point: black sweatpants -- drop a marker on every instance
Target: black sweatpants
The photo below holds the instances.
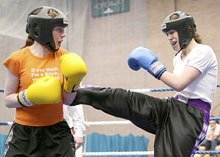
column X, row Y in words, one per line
column 46, row 141
column 175, row 124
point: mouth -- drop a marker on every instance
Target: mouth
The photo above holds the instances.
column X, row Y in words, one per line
column 174, row 44
column 59, row 43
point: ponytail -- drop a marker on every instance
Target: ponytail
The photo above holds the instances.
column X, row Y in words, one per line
column 197, row 38
column 29, row 42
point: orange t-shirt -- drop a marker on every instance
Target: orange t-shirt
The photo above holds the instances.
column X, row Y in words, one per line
column 29, row 68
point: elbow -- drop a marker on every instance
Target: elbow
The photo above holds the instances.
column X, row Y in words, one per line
column 8, row 105
column 178, row 85
column 179, row 88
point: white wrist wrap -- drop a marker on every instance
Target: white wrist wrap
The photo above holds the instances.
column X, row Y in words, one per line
column 23, row 99
column 156, row 66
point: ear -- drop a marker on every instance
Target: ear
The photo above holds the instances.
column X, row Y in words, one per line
column 36, row 30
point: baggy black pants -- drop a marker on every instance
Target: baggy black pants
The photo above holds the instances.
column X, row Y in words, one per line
column 175, row 124
column 43, row 141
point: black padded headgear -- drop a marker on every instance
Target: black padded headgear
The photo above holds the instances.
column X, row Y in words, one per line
column 39, row 26
column 184, row 25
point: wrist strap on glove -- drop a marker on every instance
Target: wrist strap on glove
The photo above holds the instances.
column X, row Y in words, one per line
column 157, row 69
column 22, row 99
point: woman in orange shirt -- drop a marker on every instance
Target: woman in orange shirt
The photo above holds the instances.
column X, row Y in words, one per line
column 39, row 128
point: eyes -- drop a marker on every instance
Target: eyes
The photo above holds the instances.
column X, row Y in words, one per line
column 171, row 32
column 59, row 30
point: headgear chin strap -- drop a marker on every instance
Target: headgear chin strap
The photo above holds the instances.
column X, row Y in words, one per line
column 183, row 24
column 40, row 25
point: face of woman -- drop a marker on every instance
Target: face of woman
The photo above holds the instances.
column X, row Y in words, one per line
column 58, row 36
column 212, row 124
column 173, row 38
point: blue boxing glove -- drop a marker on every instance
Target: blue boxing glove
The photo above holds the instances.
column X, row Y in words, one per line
column 144, row 58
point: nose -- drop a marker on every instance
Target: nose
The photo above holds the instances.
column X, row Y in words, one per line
column 170, row 36
column 63, row 34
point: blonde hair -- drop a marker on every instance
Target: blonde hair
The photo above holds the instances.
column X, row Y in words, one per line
column 197, row 38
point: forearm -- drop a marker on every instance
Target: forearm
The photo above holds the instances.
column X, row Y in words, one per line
column 173, row 81
column 180, row 82
column 208, row 138
column 11, row 88
column 11, row 101
column 214, row 137
column 146, row 59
